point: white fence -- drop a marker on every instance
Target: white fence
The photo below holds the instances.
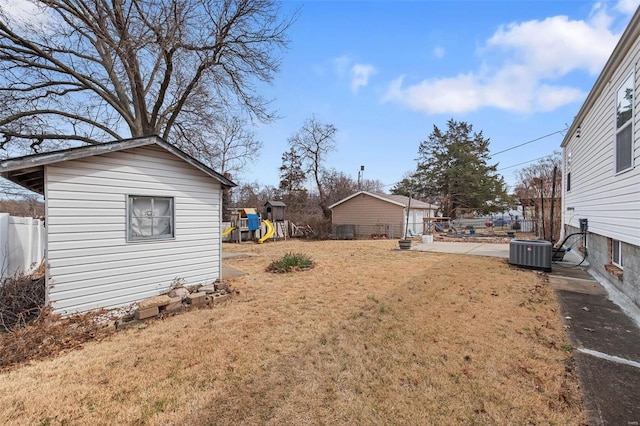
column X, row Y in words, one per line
column 22, row 241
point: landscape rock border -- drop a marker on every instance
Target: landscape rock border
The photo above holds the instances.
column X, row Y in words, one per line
column 178, row 299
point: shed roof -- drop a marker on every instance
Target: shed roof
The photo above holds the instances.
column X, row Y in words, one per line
column 275, row 203
column 399, row 200
column 28, row 171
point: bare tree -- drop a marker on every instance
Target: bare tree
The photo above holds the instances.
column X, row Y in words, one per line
column 227, row 145
column 535, row 191
column 313, row 142
column 19, row 201
column 96, row 70
column 373, row 185
column 253, row 195
column 337, row 185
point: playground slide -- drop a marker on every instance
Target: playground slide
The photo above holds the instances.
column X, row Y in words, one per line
column 270, row 231
column 228, row 231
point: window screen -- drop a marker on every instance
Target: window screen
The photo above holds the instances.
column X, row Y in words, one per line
column 624, row 151
column 150, row 218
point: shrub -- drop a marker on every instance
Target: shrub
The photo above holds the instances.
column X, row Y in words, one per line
column 22, row 299
column 290, row 262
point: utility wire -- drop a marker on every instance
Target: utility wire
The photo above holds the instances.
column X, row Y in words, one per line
column 498, row 170
column 528, row 142
column 530, row 161
column 512, row 148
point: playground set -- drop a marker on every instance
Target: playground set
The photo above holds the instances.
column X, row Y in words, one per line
column 247, row 225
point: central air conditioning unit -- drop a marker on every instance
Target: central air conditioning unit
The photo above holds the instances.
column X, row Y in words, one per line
column 532, row 254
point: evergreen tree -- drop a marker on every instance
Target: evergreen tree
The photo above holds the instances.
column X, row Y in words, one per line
column 292, row 179
column 407, row 186
column 452, row 167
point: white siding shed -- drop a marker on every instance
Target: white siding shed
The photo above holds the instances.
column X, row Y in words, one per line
column 92, row 261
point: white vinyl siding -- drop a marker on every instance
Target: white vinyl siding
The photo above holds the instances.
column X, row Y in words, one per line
column 91, row 263
column 609, row 200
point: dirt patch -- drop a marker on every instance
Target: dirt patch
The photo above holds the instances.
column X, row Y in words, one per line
column 370, row 335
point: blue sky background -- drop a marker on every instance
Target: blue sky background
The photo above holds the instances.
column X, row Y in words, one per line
column 385, row 72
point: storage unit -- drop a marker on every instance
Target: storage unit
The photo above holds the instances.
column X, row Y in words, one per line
column 124, row 220
column 532, row 254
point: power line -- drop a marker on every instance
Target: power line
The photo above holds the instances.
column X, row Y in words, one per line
column 530, row 161
column 512, row 148
column 528, row 142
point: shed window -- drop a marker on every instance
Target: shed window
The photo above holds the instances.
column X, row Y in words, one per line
column 624, row 125
column 150, row 218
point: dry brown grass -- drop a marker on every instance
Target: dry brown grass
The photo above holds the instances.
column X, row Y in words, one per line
column 369, row 336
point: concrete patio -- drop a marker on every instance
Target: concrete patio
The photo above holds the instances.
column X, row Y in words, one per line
column 478, row 249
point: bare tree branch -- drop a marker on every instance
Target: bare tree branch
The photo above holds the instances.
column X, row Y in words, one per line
column 158, row 67
column 313, row 142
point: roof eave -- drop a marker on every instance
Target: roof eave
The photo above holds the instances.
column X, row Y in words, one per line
column 76, row 153
column 14, row 168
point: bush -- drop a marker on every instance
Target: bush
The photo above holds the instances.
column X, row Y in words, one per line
column 290, row 262
column 22, row 299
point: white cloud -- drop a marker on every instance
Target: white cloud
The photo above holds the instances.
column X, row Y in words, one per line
column 549, row 98
column 23, row 12
column 534, row 57
column 467, row 92
column 341, row 64
column 360, row 74
column 557, row 45
column 627, row 6
column 357, row 74
column 438, row 52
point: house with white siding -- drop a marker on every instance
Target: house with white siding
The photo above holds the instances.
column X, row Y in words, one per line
column 124, row 220
column 377, row 215
column 601, row 171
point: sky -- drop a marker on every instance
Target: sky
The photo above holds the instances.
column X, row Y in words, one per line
column 384, row 73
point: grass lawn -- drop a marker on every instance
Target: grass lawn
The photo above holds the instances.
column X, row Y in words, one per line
column 370, row 335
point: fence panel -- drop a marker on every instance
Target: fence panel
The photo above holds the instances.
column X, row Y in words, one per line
column 22, row 242
column 380, row 231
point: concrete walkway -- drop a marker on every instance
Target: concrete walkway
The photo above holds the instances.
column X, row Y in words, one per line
column 230, row 271
column 607, row 343
column 477, row 249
